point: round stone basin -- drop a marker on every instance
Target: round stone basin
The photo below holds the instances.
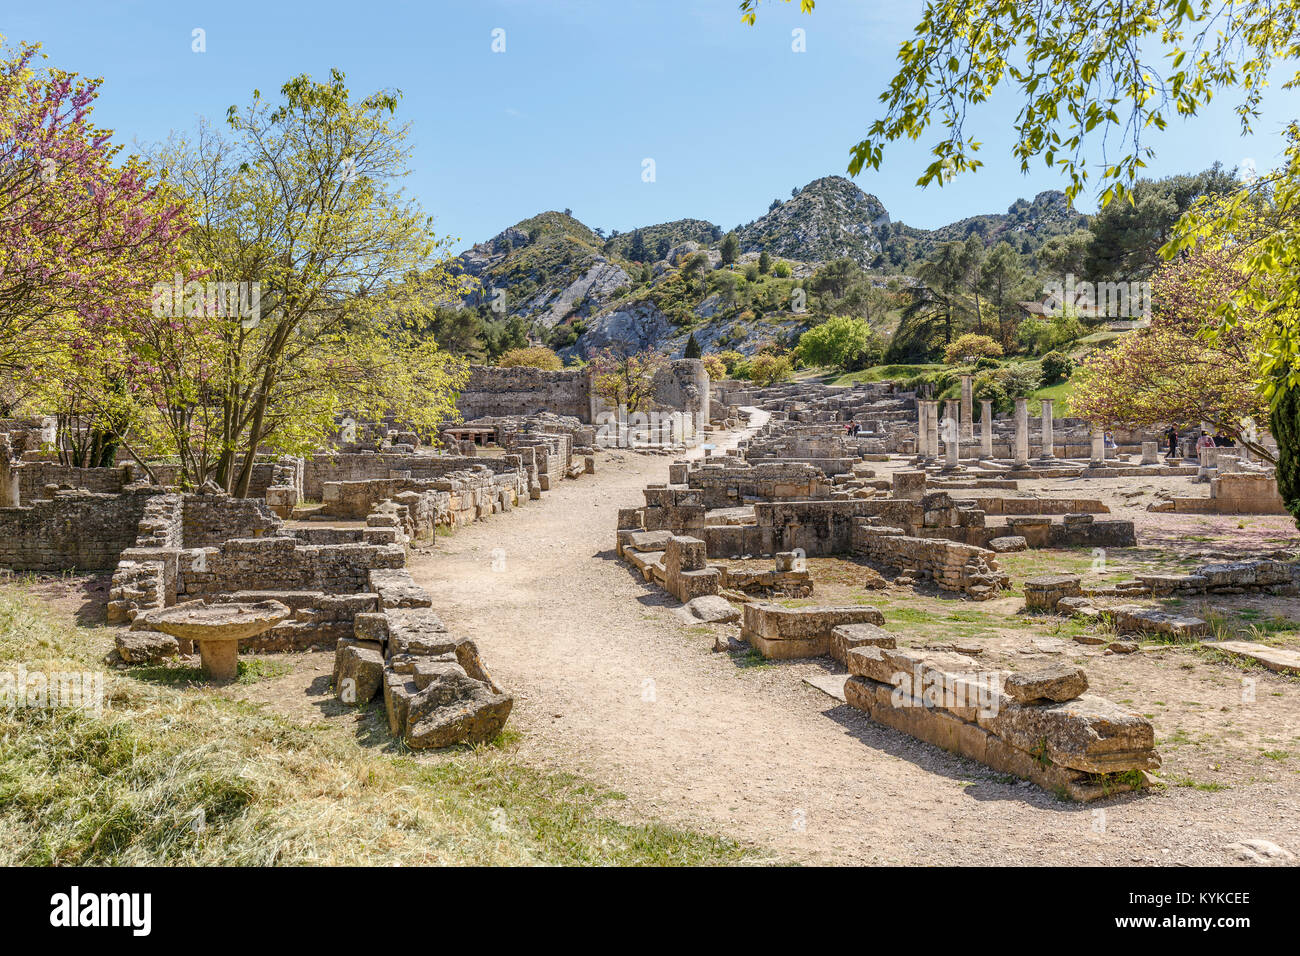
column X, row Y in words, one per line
column 218, row 629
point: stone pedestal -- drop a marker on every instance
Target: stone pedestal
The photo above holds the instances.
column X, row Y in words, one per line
column 1098, row 448
column 967, row 409
column 986, row 429
column 1150, row 452
column 1208, row 463
column 1049, row 441
column 1022, row 434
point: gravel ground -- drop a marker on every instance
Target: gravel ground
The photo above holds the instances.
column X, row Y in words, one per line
column 609, row 683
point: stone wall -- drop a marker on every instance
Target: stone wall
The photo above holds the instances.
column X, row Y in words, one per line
column 497, row 392
column 74, row 531
column 282, row 564
column 212, row 519
column 33, row 476
column 365, row 467
column 961, row 568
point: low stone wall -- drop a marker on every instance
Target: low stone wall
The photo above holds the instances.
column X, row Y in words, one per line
column 74, row 531
column 1046, row 729
column 1243, row 493
column 367, row 467
column 459, row 498
column 786, row 633
column 729, row 483
column 961, row 568
column 991, row 505
column 208, row 520
column 282, row 564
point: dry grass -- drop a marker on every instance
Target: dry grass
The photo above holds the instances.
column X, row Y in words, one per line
column 165, row 775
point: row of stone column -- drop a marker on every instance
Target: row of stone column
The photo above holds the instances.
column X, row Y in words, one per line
column 960, row 428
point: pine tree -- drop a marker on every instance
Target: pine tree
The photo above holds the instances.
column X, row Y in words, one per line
column 730, row 248
column 693, row 348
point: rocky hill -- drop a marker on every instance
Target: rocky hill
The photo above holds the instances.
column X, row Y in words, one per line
column 578, row 291
column 830, row 218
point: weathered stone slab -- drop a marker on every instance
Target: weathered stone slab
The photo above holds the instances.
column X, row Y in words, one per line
column 1059, row 683
column 1274, row 658
column 712, row 609
column 360, row 670
column 785, row 633
column 1007, row 543
column 845, row 637
column 1135, row 619
column 417, row 631
column 399, row 691
column 454, row 708
column 1089, row 734
column 146, row 647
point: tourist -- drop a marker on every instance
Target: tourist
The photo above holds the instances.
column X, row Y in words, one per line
column 1171, row 436
column 1205, row 441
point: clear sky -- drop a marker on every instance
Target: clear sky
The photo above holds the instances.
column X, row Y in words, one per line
column 584, row 91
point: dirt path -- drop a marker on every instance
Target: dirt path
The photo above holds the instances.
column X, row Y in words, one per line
column 609, row 683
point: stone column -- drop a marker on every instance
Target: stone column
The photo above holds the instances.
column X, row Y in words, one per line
column 986, row 433
column 952, row 450
column 967, row 409
column 1098, row 447
column 1048, row 440
column 1022, row 433
column 921, row 426
column 932, row 431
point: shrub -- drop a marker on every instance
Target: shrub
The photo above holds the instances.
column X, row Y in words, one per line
column 533, row 357
column 972, row 345
column 781, row 270
column 769, row 369
column 1043, row 335
column 730, row 359
column 1057, row 367
column 715, row 367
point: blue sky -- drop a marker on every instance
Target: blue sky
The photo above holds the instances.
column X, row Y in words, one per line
column 584, row 92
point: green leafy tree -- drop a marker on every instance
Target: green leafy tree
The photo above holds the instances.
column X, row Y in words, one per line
column 833, row 280
column 973, row 346
column 839, row 342
column 1067, row 254
column 730, row 248
column 764, row 262
column 303, row 197
column 534, row 356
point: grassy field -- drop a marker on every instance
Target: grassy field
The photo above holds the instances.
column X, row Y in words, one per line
column 171, row 773
column 881, row 373
column 1059, row 393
